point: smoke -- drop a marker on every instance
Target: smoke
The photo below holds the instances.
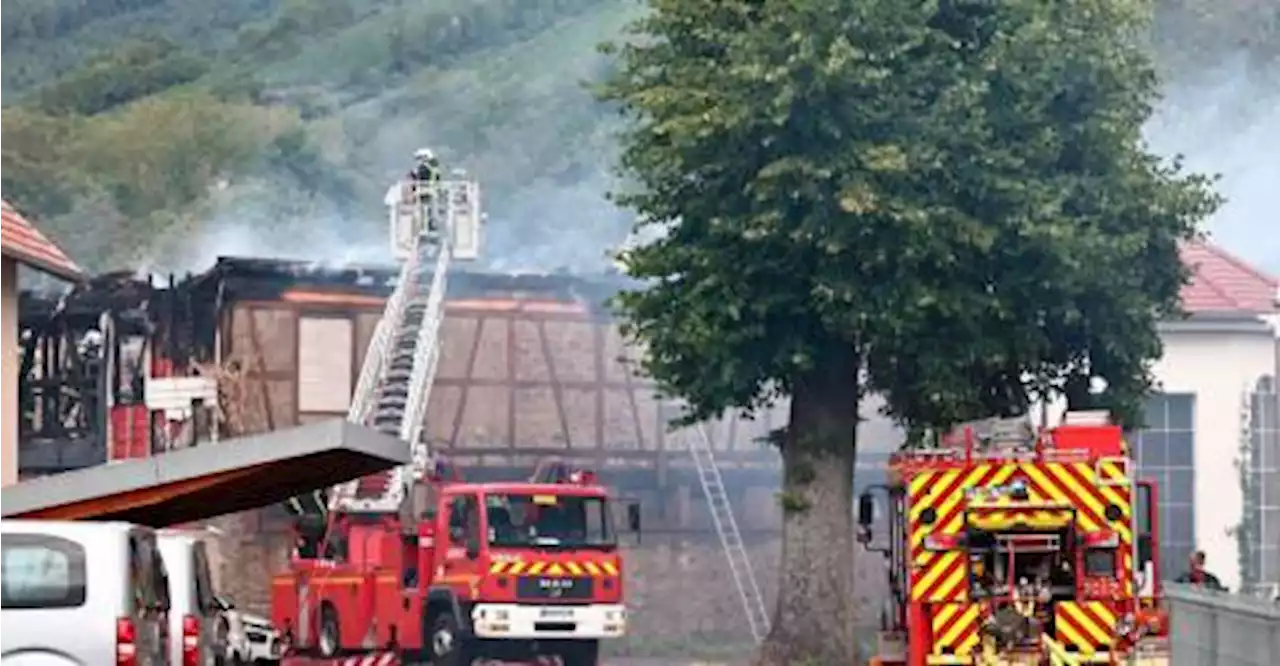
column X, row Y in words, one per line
column 321, row 241
column 1225, row 119
column 555, row 227
column 264, row 217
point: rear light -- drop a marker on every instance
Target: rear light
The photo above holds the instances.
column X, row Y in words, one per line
column 190, row 640
column 126, row 646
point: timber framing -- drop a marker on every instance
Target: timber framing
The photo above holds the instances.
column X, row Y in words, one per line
column 531, row 366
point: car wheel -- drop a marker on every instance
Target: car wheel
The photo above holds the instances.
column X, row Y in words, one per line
column 329, row 642
column 447, row 646
column 581, row 653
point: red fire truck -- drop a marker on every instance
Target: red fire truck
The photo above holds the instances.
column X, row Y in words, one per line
column 1008, row 546
column 504, row 571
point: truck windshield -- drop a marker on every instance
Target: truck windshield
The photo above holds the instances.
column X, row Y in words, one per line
column 550, row 521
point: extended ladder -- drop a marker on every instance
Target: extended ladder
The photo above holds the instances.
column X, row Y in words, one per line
column 735, row 551
column 400, row 365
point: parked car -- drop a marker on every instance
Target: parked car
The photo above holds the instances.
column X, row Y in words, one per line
column 199, row 638
column 251, row 639
column 62, row 606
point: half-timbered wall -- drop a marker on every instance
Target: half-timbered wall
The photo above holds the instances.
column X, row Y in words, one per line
column 520, row 378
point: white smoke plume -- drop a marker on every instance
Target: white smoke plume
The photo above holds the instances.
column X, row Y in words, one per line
column 1225, row 119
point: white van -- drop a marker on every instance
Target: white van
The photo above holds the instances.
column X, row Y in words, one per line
column 82, row 594
column 194, row 611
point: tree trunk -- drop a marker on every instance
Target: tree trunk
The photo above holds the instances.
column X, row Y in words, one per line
column 813, row 622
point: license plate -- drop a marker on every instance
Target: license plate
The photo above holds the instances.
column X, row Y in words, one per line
column 556, row 613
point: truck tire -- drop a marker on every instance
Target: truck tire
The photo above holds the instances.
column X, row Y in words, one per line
column 328, row 641
column 581, row 653
column 446, row 646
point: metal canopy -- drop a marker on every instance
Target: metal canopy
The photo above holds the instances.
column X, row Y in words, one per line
column 210, row 480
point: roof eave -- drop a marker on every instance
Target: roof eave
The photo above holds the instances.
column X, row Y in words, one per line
column 1218, row 321
column 46, row 267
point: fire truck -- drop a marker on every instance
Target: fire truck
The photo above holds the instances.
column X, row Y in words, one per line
column 511, row 571
column 1008, row 545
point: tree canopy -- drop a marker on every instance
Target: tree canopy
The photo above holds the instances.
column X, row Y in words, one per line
column 950, row 200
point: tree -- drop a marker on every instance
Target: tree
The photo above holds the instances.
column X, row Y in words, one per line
column 944, row 202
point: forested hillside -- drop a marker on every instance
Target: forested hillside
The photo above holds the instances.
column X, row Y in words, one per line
column 162, row 132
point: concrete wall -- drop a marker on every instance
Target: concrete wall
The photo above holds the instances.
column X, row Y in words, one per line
column 1218, row 364
column 10, row 355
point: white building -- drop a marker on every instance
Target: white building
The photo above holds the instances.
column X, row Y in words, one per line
column 1217, row 389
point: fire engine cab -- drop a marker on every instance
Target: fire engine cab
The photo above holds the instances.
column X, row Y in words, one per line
column 1011, row 546
column 503, row 570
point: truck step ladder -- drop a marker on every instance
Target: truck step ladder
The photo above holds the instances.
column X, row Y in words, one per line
column 735, row 551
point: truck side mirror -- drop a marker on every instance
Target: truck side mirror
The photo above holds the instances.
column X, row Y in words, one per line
column 866, row 510
column 633, row 517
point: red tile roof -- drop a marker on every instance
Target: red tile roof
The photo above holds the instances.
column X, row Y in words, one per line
column 21, row 241
column 1223, row 283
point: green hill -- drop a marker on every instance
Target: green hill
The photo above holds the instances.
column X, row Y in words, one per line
column 151, row 122
column 146, row 131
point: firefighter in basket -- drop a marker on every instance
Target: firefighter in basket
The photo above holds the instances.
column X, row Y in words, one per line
column 425, row 177
column 426, row 171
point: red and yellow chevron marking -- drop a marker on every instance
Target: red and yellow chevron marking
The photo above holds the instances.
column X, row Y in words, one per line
column 1116, row 471
column 955, row 629
column 1075, row 484
column 552, row 568
column 945, row 578
column 939, row 577
column 1032, row 518
column 944, row 492
column 1088, row 625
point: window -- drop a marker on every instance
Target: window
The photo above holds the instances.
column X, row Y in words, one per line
column 464, row 519
column 147, row 574
column 1262, row 488
column 41, row 571
column 519, row 520
column 324, row 364
column 1165, row 451
column 204, row 586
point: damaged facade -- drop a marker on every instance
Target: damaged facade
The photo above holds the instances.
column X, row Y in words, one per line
column 86, row 358
column 531, row 366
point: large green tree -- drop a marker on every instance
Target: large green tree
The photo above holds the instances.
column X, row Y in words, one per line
column 946, row 202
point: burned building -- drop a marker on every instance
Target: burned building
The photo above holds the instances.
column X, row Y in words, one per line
column 531, row 366
column 87, row 357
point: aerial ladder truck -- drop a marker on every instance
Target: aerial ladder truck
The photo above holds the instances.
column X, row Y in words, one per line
column 415, row 563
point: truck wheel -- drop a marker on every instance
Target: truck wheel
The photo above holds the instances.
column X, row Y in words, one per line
column 581, row 653
column 447, row 646
column 328, row 640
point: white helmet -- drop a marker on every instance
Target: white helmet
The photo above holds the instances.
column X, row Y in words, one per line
column 424, row 154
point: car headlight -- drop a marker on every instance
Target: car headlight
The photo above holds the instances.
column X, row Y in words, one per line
column 615, row 616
